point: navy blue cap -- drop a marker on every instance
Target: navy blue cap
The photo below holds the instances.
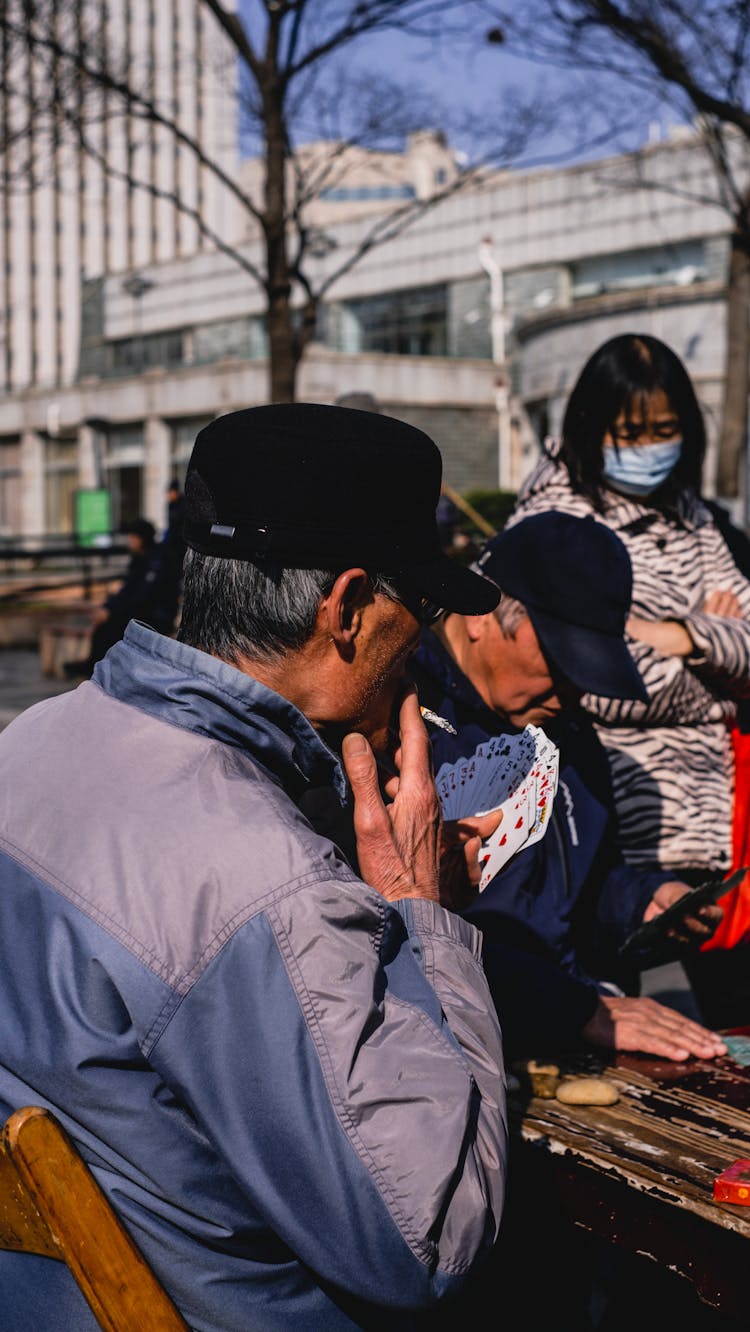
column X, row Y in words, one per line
column 574, row 578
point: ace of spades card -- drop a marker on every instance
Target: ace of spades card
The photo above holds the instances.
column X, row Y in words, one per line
column 516, row 773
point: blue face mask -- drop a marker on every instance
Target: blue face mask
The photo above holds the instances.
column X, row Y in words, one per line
column 639, row 469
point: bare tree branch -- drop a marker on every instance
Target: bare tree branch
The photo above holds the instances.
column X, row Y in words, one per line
column 234, row 28
column 134, row 103
column 695, row 54
column 173, row 197
column 645, row 34
column 293, row 85
column 393, row 223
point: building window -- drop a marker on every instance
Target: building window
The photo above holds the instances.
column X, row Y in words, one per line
column 366, row 193
column 60, row 483
column 122, row 466
column 10, row 487
column 241, row 339
column 413, row 322
column 181, row 445
column 131, row 356
column 678, row 265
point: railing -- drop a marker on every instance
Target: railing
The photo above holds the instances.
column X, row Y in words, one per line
column 60, row 554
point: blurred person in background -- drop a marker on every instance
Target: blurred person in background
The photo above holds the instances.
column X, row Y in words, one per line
column 149, row 592
column 174, row 539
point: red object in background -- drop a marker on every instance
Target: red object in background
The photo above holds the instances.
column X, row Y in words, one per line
column 734, row 927
column 733, row 1184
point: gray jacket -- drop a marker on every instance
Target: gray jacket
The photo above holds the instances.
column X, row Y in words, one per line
column 291, row 1090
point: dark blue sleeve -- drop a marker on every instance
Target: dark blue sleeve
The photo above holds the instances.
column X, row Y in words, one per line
column 539, row 1005
column 625, row 894
column 613, row 895
column 533, row 902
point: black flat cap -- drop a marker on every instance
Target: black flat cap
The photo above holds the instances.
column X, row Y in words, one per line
column 324, row 487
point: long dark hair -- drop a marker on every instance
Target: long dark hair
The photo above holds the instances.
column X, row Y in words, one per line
column 620, row 372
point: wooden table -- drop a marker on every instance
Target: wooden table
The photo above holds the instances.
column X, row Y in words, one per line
column 640, row 1173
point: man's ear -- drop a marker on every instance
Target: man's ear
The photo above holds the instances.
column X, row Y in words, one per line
column 476, row 626
column 344, row 604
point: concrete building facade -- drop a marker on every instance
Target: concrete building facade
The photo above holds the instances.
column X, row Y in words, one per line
column 347, row 180
column 87, row 176
column 629, row 243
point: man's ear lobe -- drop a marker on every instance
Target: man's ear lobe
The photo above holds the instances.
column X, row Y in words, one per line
column 476, row 626
column 349, row 594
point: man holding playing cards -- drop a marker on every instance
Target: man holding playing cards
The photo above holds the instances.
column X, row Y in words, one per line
column 556, row 913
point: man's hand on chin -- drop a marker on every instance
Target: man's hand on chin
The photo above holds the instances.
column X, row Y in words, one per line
column 403, row 847
column 397, row 843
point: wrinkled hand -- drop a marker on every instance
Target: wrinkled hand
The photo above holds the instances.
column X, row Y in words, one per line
column 460, row 871
column 723, row 602
column 690, row 929
column 668, row 637
column 397, row 844
column 649, row 1027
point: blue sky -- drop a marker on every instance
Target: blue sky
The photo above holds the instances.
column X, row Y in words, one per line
column 597, row 113
column 473, row 81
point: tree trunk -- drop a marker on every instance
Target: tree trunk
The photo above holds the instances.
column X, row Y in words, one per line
column 732, row 468
column 283, row 352
column 283, row 357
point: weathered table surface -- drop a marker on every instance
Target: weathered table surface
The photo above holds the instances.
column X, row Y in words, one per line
column 640, row 1173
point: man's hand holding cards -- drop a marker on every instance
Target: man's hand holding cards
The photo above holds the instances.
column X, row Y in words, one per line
column 515, row 773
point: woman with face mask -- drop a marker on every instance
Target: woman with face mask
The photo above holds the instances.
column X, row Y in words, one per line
column 631, row 453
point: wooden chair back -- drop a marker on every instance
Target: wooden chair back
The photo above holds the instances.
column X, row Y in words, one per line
column 51, row 1204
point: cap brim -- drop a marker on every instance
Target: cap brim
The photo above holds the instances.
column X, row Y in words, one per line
column 451, row 585
column 596, row 663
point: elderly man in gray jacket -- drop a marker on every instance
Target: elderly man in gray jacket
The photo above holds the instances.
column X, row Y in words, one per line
column 285, row 1072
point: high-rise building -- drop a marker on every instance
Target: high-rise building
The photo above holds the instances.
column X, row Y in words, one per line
column 89, row 174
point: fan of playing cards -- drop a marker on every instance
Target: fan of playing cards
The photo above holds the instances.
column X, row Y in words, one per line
column 516, row 773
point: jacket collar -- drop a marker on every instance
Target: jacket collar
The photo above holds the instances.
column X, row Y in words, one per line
column 188, row 688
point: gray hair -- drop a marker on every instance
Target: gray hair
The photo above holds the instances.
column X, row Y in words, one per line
column 509, row 613
column 234, row 608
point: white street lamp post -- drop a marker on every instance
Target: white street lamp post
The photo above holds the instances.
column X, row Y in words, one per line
column 502, row 391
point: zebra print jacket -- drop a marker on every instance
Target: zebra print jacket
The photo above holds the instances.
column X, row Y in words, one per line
column 671, row 759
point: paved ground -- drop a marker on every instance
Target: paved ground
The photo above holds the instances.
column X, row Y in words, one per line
column 22, row 683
